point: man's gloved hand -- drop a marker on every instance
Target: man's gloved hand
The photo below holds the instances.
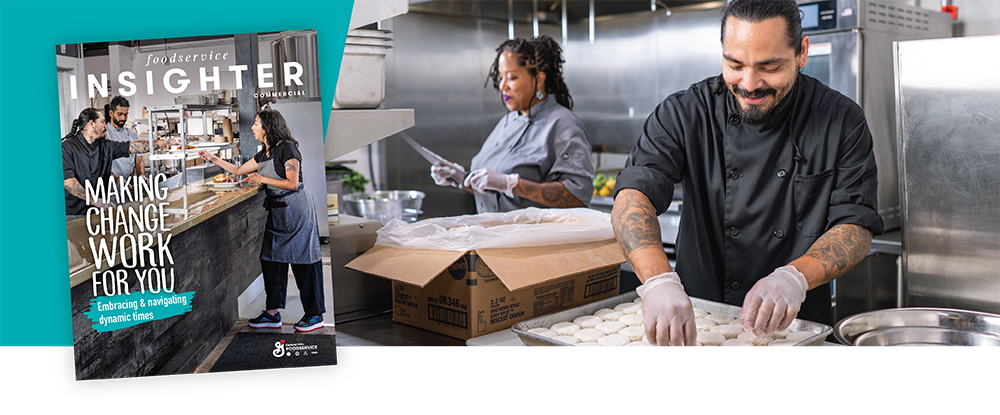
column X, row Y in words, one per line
column 667, row 312
column 446, row 176
column 774, row 301
column 485, row 179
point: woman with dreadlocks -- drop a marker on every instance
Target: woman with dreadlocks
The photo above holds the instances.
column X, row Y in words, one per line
column 538, row 154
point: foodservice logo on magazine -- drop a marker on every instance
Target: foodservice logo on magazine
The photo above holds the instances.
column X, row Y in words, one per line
column 296, row 349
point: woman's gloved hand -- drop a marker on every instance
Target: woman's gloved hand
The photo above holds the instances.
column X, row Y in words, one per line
column 446, row 176
column 774, row 301
column 485, row 179
column 667, row 312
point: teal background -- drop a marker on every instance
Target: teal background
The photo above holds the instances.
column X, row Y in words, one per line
column 34, row 263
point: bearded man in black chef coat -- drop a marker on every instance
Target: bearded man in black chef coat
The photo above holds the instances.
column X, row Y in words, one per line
column 779, row 182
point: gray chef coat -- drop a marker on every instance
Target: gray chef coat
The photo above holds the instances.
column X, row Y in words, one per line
column 123, row 166
column 748, row 206
column 552, row 147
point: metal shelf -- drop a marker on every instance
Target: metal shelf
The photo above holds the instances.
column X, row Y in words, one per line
column 176, row 155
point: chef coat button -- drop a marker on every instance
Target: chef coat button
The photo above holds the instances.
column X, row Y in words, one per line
column 734, row 119
column 734, row 174
column 734, row 231
column 565, row 156
column 779, row 234
column 781, row 173
column 735, row 285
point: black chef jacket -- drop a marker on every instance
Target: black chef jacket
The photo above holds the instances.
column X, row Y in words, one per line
column 88, row 161
column 748, row 206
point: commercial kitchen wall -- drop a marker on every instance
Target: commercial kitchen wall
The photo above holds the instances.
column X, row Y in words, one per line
column 440, row 63
column 439, row 66
column 975, row 17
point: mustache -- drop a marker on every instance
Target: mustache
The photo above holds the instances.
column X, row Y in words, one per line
column 755, row 94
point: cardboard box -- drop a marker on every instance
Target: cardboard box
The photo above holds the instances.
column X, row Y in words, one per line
column 469, row 294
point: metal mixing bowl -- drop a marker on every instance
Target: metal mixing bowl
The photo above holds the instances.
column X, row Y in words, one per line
column 384, row 205
column 919, row 326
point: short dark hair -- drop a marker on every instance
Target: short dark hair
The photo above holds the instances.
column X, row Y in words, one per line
column 275, row 128
column 118, row 101
column 756, row 11
column 541, row 54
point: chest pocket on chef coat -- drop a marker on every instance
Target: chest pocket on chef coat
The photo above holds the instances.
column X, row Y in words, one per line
column 812, row 202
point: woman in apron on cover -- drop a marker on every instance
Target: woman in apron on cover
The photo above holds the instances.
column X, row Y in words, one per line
column 291, row 236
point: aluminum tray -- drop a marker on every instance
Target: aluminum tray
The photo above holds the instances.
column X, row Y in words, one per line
column 531, row 339
column 919, row 326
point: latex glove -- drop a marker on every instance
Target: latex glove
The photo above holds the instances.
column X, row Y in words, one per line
column 446, row 176
column 667, row 312
column 485, row 179
column 774, row 301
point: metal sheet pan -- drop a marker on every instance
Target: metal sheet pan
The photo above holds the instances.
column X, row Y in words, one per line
column 531, row 339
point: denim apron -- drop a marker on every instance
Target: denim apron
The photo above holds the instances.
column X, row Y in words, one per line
column 291, row 234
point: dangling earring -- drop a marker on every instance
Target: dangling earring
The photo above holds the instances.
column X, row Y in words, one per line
column 538, row 94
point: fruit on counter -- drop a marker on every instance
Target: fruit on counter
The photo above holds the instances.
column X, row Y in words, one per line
column 603, row 185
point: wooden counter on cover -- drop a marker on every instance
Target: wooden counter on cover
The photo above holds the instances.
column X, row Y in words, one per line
column 215, row 248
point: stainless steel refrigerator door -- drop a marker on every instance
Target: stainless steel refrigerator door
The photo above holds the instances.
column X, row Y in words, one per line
column 948, row 116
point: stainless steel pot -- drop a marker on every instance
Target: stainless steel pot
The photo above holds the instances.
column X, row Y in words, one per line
column 923, row 354
column 384, row 205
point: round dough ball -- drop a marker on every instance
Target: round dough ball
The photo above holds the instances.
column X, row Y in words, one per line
column 600, row 313
column 783, row 342
column 720, row 318
column 699, row 313
column 729, row 332
column 639, row 313
column 778, row 335
column 565, row 328
column 588, row 335
column 799, row 336
column 707, row 338
column 613, row 340
column 587, row 322
column 762, row 340
column 638, row 343
column 628, row 308
column 638, row 301
column 611, row 327
column 746, row 335
column 588, row 344
column 544, row 332
column 567, row 339
column 610, row 315
column 736, row 342
column 736, row 322
column 703, row 324
column 634, row 333
column 631, row 320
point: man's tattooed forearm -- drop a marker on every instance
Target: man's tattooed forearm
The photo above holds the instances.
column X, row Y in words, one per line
column 635, row 223
column 75, row 188
column 138, row 146
column 841, row 248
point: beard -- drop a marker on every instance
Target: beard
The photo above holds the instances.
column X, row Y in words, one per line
column 754, row 114
column 117, row 124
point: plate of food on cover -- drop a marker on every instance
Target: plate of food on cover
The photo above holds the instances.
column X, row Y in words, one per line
column 222, row 180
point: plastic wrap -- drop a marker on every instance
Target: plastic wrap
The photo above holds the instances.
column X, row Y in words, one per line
column 519, row 228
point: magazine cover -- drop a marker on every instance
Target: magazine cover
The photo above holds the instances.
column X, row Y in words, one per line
column 195, row 195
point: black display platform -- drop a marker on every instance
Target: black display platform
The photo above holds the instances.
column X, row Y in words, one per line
column 355, row 378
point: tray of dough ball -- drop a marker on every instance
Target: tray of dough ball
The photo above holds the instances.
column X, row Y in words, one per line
column 732, row 365
column 612, row 315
